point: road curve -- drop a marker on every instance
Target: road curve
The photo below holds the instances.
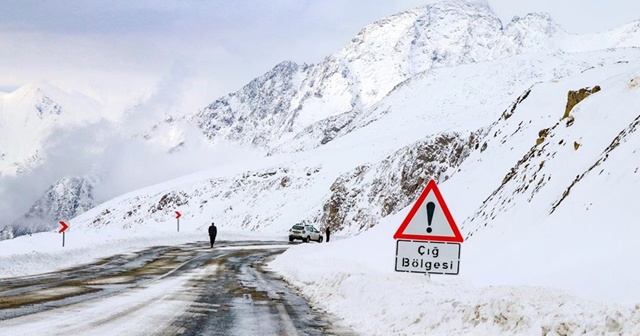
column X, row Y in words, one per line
column 166, row 290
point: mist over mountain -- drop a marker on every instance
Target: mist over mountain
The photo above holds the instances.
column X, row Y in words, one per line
column 67, row 198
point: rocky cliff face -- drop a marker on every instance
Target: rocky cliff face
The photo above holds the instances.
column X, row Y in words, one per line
column 360, row 198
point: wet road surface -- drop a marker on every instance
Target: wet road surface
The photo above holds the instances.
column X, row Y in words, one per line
column 166, row 290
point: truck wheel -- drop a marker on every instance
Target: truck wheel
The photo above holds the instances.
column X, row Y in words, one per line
column 320, row 239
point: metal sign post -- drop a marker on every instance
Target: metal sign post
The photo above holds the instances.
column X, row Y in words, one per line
column 62, row 230
column 178, row 215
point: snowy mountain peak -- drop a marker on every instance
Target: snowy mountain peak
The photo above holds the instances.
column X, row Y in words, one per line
column 35, row 98
column 297, row 106
column 30, row 114
column 538, row 22
column 38, row 89
column 264, row 99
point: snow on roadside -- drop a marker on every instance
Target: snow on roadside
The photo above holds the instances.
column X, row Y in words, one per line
column 355, row 280
column 43, row 252
column 148, row 309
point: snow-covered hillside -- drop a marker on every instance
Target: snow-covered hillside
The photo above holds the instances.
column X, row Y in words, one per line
column 548, row 210
column 280, row 108
column 424, row 128
column 567, row 192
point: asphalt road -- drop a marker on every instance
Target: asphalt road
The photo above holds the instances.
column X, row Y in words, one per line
column 166, row 290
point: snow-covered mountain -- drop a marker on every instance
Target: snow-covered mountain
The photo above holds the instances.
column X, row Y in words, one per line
column 30, row 115
column 423, row 85
column 49, row 135
column 279, row 108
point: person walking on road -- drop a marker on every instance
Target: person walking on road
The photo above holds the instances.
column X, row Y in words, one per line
column 213, row 231
column 327, row 233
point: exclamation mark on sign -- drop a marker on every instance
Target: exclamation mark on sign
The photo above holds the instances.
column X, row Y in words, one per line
column 431, row 207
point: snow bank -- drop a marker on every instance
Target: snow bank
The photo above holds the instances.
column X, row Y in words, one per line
column 355, row 280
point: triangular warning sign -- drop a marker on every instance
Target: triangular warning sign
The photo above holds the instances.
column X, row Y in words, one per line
column 429, row 219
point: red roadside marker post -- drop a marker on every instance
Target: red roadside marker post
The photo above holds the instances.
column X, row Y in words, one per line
column 62, row 230
column 178, row 215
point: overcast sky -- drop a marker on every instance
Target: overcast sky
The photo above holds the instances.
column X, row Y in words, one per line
column 214, row 46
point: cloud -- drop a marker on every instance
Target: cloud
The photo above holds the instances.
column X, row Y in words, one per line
column 115, row 153
column 68, row 154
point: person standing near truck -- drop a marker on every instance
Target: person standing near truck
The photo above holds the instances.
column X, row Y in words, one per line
column 327, row 232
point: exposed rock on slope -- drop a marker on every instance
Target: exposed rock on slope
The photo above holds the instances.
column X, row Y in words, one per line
column 253, row 201
column 623, row 136
column 575, row 97
column 360, row 198
column 261, row 200
column 546, row 175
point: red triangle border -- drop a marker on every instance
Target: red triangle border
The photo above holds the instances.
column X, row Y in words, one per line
column 431, row 186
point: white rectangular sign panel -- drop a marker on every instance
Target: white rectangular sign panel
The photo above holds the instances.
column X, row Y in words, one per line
column 427, row 257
